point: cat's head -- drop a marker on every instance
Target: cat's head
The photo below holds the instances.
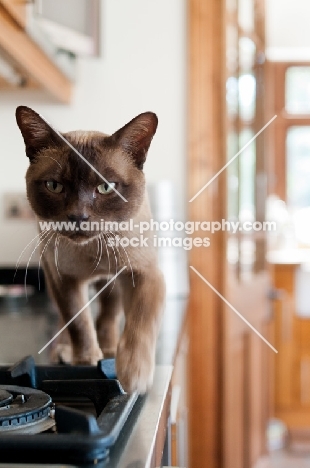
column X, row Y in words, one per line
column 62, row 187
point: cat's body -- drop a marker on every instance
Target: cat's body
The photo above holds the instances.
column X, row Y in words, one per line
column 62, row 187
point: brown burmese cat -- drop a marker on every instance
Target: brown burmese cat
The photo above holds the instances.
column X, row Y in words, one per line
column 62, row 187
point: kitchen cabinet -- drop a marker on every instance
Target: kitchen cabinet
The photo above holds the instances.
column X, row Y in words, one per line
column 35, row 63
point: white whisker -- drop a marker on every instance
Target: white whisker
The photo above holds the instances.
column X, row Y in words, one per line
column 19, row 258
column 112, row 246
column 100, row 255
column 25, row 280
column 106, row 246
column 44, row 248
column 56, row 254
column 128, row 259
column 117, row 248
column 97, row 253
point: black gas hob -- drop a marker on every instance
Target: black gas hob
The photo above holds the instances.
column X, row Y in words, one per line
column 60, row 414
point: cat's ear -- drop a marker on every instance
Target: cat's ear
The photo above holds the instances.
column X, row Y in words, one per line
column 36, row 132
column 136, row 136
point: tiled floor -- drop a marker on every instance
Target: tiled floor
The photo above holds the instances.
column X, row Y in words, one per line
column 295, row 455
column 284, row 460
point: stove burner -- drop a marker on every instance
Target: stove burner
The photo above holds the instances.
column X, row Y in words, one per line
column 5, row 398
column 24, row 409
column 78, row 393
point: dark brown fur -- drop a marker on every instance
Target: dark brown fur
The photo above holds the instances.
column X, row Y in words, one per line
column 119, row 158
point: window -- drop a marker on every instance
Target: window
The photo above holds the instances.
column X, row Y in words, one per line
column 298, row 167
column 297, row 90
column 291, row 144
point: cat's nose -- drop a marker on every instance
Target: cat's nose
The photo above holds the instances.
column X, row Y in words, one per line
column 78, row 218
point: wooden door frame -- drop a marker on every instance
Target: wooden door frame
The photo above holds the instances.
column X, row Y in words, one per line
column 206, row 155
column 277, row 134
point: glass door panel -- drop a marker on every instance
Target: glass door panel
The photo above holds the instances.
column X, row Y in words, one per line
column 298, row 167
column 246, row 15
column 247, row 177
column 297, row 90
column 247, row 96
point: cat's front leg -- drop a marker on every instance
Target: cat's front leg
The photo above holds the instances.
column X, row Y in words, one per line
column 70, row 295
column 107, row 322
column 143, row 303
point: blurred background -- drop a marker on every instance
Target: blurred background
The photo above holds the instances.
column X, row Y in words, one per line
column 215, row 72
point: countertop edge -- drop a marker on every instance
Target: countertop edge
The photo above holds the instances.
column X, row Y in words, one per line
column 141, row 445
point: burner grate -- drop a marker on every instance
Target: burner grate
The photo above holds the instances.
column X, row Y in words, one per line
column 55, row 395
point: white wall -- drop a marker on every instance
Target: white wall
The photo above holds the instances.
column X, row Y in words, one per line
column 287, row 29
column 143, row 67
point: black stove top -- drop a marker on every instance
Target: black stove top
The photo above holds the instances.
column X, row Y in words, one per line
column 60, row 414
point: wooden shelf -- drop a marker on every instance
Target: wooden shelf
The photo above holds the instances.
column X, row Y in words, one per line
column 27, row 57
column 16, row 9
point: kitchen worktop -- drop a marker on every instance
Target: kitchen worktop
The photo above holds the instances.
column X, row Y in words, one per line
column 25, row 326
column 289, row 256
column 138, row 447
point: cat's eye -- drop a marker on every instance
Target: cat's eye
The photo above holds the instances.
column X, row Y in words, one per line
column 54, row 186
column 106, row 188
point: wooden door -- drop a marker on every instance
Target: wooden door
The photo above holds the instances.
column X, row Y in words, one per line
column 229, row 364
column 247, row 358
column 205, row 157
column 288, row 89
column 292, row 339
column 247, row 366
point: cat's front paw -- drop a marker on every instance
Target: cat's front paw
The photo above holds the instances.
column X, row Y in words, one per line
column 135, row 366
column 109, row 353
column 62, row 354
column 87, row 357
